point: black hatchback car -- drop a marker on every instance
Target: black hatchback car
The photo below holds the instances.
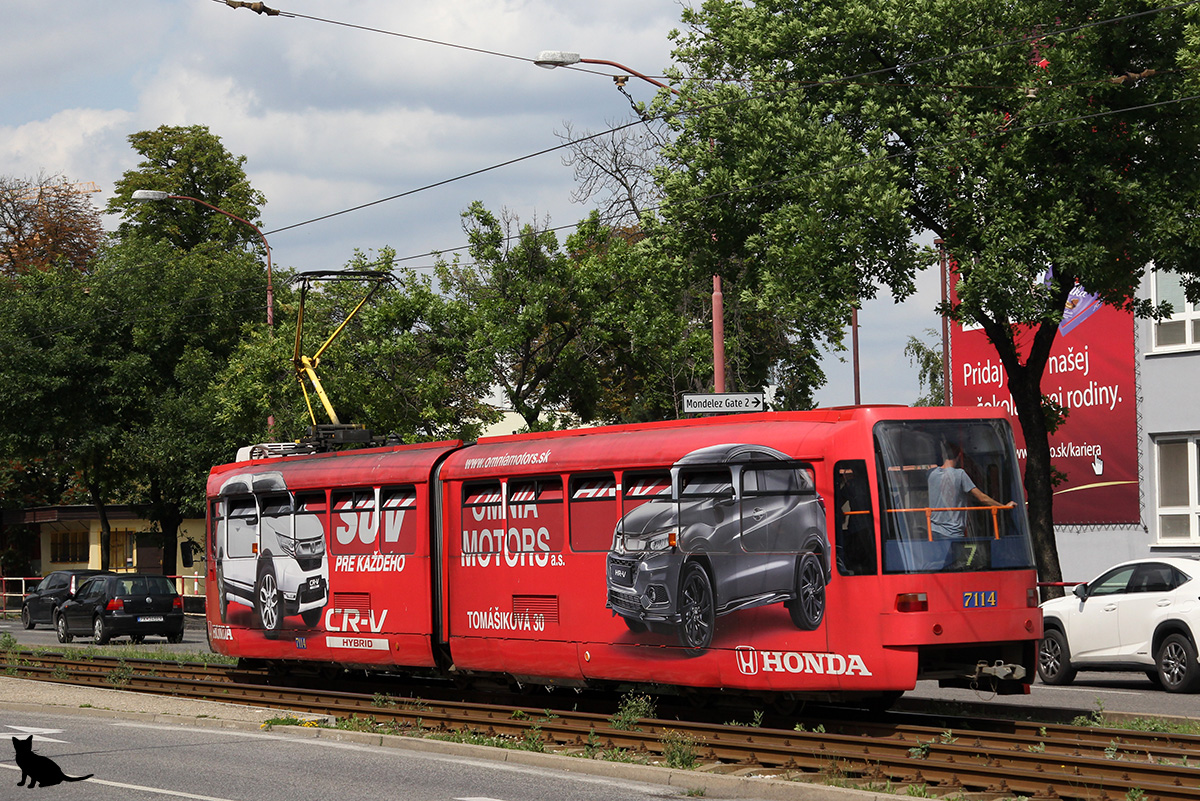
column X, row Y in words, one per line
column 134, row 605
column 40, row 605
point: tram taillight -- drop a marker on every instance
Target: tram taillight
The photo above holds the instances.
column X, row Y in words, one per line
column 912, row 602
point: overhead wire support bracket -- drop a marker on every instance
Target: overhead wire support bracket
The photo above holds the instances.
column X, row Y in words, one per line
column 306, row 366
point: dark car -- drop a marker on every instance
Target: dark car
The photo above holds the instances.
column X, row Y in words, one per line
column 134, row 605
column 40, row 605
column 732, row 527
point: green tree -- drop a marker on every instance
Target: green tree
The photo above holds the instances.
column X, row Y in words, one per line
column 192, row 162
column 69, row 385
column 928, row 361
column 189, row 293
column 817, row 140
column 532, row 307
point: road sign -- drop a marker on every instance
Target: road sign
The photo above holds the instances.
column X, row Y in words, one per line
column 724, row 402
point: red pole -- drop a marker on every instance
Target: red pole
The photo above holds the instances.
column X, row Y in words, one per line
column 718, row 303
column 941, row 246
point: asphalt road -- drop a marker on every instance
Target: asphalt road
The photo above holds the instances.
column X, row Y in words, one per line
column 132, row 758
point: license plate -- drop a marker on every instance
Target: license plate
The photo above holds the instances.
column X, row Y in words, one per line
column 314, row 582
column 150, row 619
column 979, row 599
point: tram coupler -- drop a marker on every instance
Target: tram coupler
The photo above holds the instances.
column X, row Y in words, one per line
column 999, row 670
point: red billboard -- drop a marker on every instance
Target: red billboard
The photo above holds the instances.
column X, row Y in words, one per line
column 1091, row 375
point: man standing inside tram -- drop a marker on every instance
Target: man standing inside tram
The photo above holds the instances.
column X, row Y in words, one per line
column 951, row 492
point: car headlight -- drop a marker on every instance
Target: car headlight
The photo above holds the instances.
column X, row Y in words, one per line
column 657, row 541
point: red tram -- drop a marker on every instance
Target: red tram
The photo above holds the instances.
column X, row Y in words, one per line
column 796, row 554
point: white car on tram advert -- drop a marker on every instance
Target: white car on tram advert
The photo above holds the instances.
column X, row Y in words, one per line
column 270, row 550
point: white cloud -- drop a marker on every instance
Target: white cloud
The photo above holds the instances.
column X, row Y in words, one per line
column 332, row 116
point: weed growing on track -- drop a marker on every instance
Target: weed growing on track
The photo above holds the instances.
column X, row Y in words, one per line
column 634, row 706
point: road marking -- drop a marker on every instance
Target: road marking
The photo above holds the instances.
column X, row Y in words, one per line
column 39, row 734
column 143, row 788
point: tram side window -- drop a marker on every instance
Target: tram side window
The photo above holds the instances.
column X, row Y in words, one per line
column 593, row 512
column 854, row 521
column 535, row 515
column 216, row 522
column 311, row 516
column 640, row 489
column 706, row 500
column 483, row 518
column 241, row 532
column 355, row 521
column 276, row 516
column 399, row 505
column 780, row 511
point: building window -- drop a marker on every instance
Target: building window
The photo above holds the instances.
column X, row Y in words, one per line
column 69, row 546
column 1182, row 329
column 1178, row 498
column 120, row 550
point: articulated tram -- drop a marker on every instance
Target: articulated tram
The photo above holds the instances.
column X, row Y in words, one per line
column 790, row 554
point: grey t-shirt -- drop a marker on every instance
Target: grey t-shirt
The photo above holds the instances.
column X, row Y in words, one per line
column 949, row 487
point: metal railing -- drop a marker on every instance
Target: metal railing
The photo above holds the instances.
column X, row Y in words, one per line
column 13, row 590
column 929, row 510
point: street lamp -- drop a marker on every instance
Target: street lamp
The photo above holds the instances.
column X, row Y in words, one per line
column 150, row 195
column 549, row 59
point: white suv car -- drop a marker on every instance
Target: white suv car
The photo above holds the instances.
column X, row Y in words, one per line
column 1140, row 615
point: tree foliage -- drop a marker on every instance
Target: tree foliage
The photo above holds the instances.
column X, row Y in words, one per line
column 817, row 140
column 189, row 161
column 399, row 367
column 589, row 332
column 46, row 222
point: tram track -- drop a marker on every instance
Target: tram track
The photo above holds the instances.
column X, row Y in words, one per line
column 997, row 758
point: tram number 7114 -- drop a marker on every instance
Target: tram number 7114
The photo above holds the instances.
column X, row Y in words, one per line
column 979, row 599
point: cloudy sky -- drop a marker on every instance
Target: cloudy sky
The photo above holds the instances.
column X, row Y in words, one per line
column 350, row 103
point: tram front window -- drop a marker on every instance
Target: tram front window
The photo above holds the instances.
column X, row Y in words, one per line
column 952, row 497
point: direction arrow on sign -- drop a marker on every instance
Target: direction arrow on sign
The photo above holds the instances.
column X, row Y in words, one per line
column 724, row 402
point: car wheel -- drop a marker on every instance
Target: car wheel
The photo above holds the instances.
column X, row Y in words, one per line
column 808, row 607
column 697, row 615
column 60, row 628
column 99, row 631
column 1054, row 659
column 136, row 639
column 175, row 637
column 311, row 617
column 636, row 626
column 1177, row 664
column 266, row 600
column 26, row 620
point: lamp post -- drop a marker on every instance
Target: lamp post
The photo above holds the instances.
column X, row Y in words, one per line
column 150, row 195
column 549, row 59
